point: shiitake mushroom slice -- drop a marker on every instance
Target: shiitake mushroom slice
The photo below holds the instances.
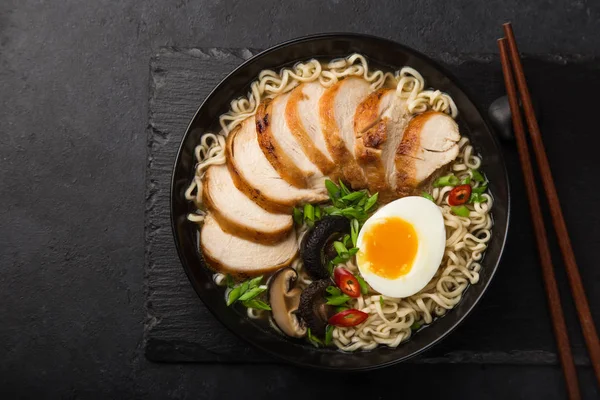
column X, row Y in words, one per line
column 284, row 298
column 315, row 254
column 313, row 308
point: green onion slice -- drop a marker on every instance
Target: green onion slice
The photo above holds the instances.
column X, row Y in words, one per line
column 371, row 202
column 461, row 211
column 477, row 176
column 448, row 180
column 364, row 289
column 427, row 196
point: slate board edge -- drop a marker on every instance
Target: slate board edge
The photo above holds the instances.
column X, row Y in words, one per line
column 150, row 319
column 171, row 352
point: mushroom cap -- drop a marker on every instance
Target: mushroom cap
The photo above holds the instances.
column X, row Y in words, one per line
column 284, row 298
column 313, row 246
column 313, row 308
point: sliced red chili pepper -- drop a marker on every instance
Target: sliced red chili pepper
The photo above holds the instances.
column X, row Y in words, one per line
column 347, row 282
column 459, row 195
column 346, row 318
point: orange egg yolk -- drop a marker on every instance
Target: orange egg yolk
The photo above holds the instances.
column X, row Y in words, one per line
column 389, row 248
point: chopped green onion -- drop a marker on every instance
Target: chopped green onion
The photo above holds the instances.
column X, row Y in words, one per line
column 258, row 304
column 245, row 290
column 354, row 231
column 309, row 212
column 354, row 196
column 353, row 251
column 255, row 282
column 244, row 287
column 315, row 341
column 350, row 212
column 233, row 295
column 340, row 309
column 477, row 198
column 318, row 213
column 229, row 280
column 332, row 210
column 364, row 289
column 461, row 211
column 448, row 180
column 477, row 176
column 381, row 301
column 337, row 260
column 479, row 189
column 328, row 335
column 371, row 202
column 466, row 181
column 337, row 300
column 298, row 218
column 427, row 196
column 339, row 247
column 341, row 258
column 334, row 291
column 338, row 203
column 344, row 189
column 332, row 189
column 329, row 267
column 347, row 241
column 415, row 326
column 252, row 293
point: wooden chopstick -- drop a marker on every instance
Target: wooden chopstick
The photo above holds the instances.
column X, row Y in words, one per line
column 581, row 303
column 556, row 312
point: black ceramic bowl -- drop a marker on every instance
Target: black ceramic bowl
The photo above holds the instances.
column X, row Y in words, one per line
column 382, row 53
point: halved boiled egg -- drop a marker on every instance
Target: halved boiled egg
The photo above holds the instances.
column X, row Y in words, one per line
column 401, row 246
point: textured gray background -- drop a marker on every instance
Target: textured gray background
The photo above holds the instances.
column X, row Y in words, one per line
column 73, row 115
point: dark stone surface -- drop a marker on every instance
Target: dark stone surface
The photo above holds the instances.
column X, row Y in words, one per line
column 73, row 117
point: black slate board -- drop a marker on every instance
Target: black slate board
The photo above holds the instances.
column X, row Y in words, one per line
column 510, row 326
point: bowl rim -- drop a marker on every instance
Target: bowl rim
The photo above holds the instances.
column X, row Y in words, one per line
column 455, row 82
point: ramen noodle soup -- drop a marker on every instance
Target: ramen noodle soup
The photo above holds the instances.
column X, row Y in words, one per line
column 341, row 203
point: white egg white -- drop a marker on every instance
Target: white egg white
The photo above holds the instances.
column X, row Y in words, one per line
column 428, row 222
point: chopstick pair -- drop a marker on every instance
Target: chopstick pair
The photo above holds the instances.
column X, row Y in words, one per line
column 509, row 55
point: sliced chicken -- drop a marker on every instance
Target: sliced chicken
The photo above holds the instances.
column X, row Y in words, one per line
column 430, row 141
column 397, row 119
column 242, row 258
column 373, row 146
column 281, row 147
column 237, row 214
column 253, row 175
column 302, row 117
column 337, row 108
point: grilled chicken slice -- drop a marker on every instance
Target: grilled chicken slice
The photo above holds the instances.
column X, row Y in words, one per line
column 302, row 117
column 237, row 214
column 281, row 147
column 430, row 141
column 336, row 109
column 254, row 176
column 373, row 146
column 242, row 258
